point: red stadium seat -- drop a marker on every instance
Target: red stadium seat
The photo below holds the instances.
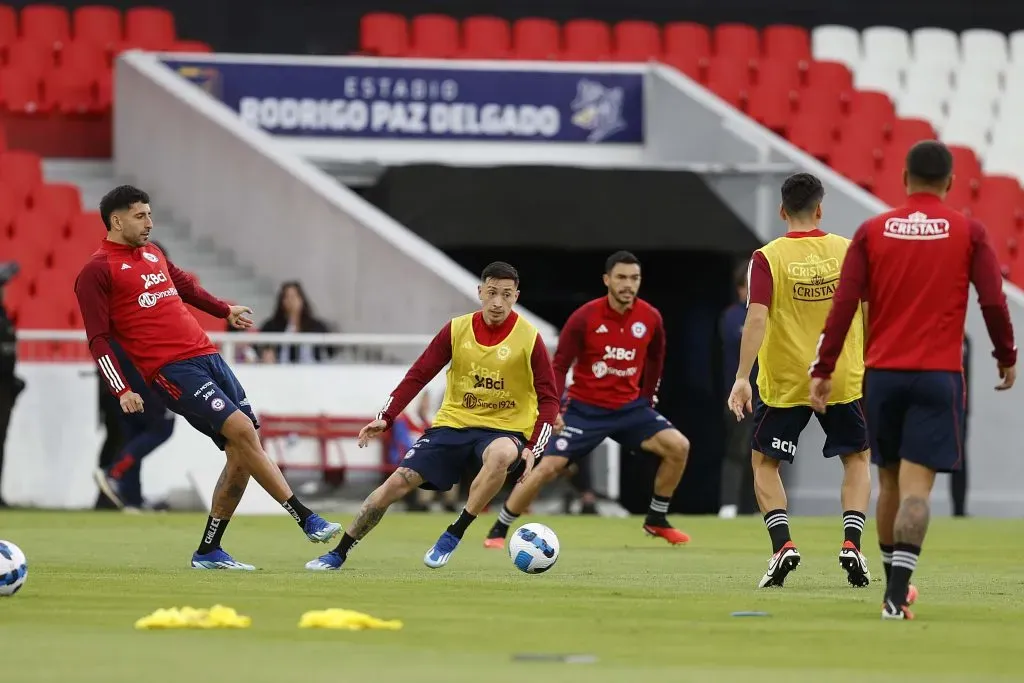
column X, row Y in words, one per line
column 69, row 257
column 856, row 162
column 889, row 186
column 191, row 46
column 783, row 74
column 868, row 108
column 89, row 223
column 823, row 104
column 637, row 41
column 685, row 38
column 960, row 197
column 905, row 134
column 966, row 166
column 587, row 39
column 98, row 25
column 729, row 78
column 807, row 133
column 8, row 25
column 48, row 24
column 62, row 201
column 435, row 36
column 10, row 206
column 22, row 172
column 693, row 66
column 737, row 41
column 84, row 56
column 536, row 39
column 31, row 56
column 384, row 34
column 831, row 75
column 16, row 292
column 151, row 28
column 772, row 107
column 486, row 38
column 71, row 91
column 43, row 314
column 791, row 43
column 20, row 91
column 998, row 196
column 104, row 91
column 869, row 135
column 35, row 231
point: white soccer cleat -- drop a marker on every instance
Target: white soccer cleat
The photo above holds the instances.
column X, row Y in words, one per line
column 855, row 564
column 780, row 565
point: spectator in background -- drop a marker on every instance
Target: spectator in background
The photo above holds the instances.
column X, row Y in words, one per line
column 737, row 491
column 294, row 313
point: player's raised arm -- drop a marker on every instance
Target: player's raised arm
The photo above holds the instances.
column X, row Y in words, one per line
column 433, row 359
column 92, row 288
column 570, row 346
column 192, row 293
column 852, row 290
column 988, row 280
column 547, row 396
column 654, row 365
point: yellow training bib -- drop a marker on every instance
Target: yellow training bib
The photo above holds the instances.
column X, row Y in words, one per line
column 490, row 387
column 805, row 273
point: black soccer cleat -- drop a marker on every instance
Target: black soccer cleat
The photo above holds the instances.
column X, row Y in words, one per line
column 856, row 565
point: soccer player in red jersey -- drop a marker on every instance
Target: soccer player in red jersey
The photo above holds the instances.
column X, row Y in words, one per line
column 498, row 407
column 914, row 265
column 131, row 293
column 618, row 345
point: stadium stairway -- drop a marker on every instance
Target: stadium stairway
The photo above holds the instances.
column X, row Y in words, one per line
column 217, row 269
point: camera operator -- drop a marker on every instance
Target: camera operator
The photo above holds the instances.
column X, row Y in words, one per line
column 10, row 385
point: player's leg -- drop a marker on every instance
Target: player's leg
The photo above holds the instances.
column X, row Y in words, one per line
column 734, row 463
column 396, row 487
column 774, row 441
column 885, row 512
column 584, row 430
column 846, row 436
column 500, row 454
column 128, row 468
column 226, row 496
column 547, row 469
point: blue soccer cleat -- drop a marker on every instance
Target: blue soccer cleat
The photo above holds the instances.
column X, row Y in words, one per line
column 218, row 559
column 319, row 530
column 326, row 563
column 438, row 556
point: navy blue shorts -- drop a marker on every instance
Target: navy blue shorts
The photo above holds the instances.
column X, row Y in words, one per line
column 916, row 416
column 777, row 430
column 586, row 426
column 205, row 392
column 442, row 454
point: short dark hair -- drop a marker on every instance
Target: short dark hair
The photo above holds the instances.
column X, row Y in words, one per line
column 930, row 162
column 119, row 199
column 618, row 257
column 801, row 193
column 499, row 270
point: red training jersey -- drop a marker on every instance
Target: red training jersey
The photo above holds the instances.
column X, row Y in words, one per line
column 439, row 353
column 913, row 266
column 138, row 297
column 613, row 352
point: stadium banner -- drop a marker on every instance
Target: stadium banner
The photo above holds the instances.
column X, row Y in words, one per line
column 418, row 103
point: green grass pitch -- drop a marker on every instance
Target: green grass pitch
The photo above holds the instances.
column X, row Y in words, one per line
column 643, row 608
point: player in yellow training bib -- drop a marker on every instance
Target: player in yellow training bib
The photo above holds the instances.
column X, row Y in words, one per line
column 791, row 281
column 498, row 408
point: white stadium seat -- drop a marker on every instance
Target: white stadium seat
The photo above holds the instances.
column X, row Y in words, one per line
column 1011, row 104
column 1017, row 47
column 929, row 105
column 836, row 44
column 984, row 46
column 981, row 87
column 1002, row 161
column 878, row 75
column 1006, row 136
column 886, row 44
column 970, row 110
column 931, row 44
column 966, row 130
column 923, row 76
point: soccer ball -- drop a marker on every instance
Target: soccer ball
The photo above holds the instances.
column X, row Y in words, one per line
column 13, row 568
column 533, row 548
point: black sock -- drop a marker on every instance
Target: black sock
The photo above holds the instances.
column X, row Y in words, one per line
column 297, row 510
column 777, row 522
column 345, row 544
column 886, row 560
column 212, row 534
column 658, row 509
column 460, row 525
column 904, row 561
column 506, row 518
column 853, row 526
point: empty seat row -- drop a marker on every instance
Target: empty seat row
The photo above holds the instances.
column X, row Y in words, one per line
column 485, row 37
column 982, row 47
column 151, row 28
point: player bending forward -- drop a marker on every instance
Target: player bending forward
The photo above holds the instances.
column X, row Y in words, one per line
column 498, row 407
column 617, row 341
column 790, row 285
column 130, row 292
column 915, row 264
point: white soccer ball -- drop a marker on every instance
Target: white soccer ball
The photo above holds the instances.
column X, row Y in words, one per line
column 533, row 548
column 13, row 568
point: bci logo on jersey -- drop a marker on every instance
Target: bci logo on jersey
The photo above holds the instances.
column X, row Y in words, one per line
column 154, row 279
column 617, row 353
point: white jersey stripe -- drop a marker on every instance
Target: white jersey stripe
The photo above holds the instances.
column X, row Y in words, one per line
column 113, row 379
